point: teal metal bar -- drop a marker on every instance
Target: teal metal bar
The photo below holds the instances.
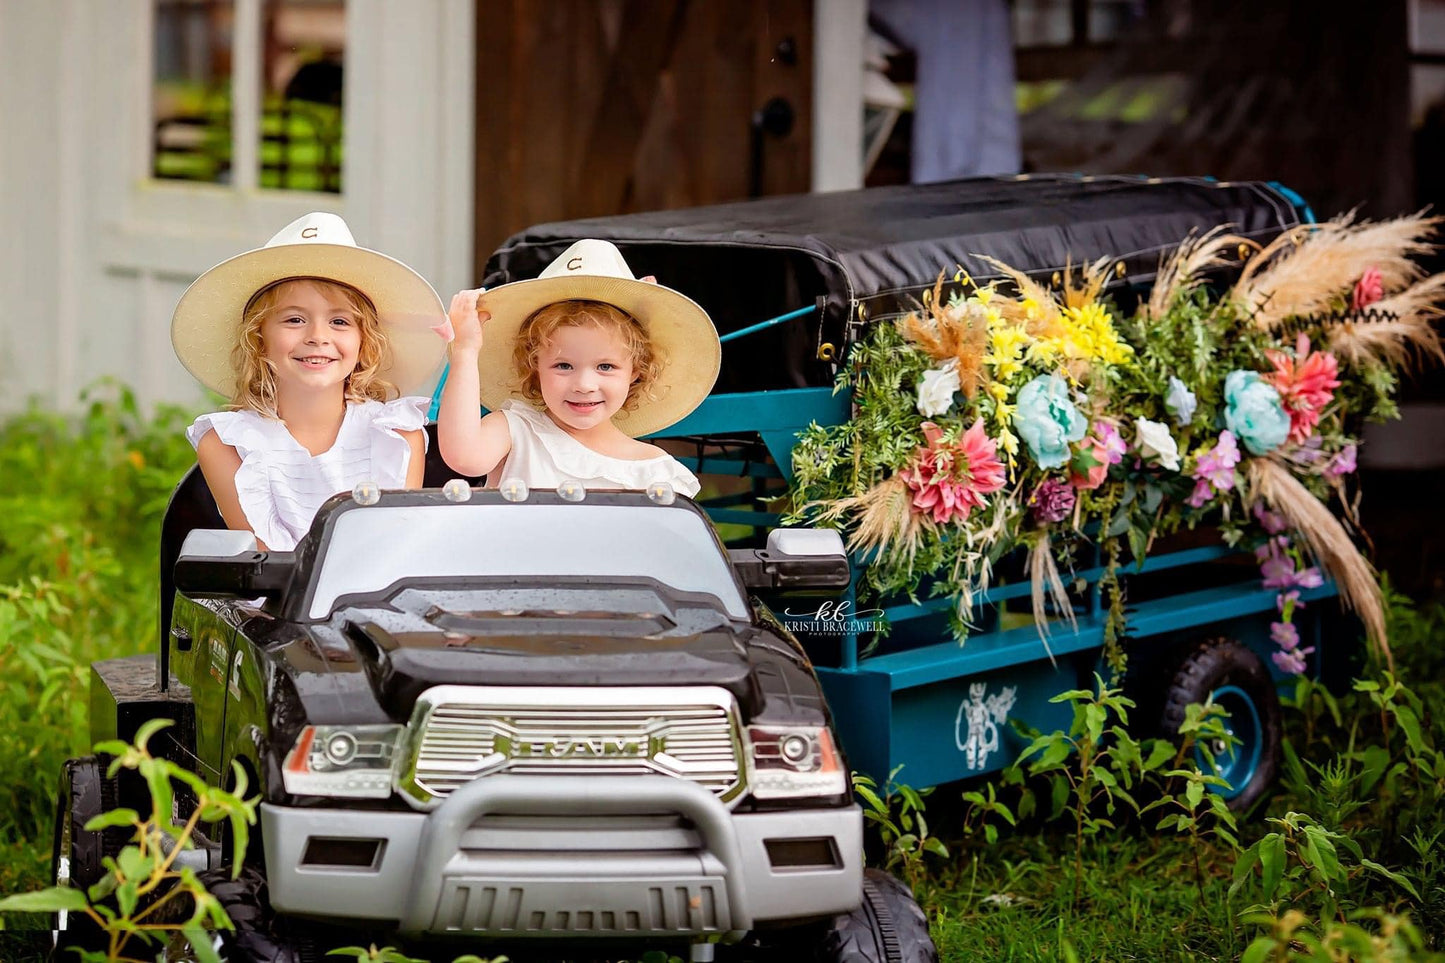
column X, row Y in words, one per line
column 729, row 516
column 730, row 466
column 951, row 660
column 764, row 325
column 436, row 396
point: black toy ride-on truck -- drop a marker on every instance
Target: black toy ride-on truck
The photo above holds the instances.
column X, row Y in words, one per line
column 507, row 721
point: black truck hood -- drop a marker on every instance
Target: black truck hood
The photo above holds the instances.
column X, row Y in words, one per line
column 408, row 648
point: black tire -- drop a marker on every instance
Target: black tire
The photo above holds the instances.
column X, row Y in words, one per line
column 887, row 927
column 77, row 854
column 262, row 937
column 1242, row 684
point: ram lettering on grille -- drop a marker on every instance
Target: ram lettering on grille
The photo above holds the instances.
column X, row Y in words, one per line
column 462, row 742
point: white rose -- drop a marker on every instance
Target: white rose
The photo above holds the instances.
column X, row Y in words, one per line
column 1180, row 401
column 935, row 391
column 1156, row 442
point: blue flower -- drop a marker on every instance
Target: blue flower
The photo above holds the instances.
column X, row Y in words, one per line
column 1254, row 413
column 1180, row 401
column 1047, row 420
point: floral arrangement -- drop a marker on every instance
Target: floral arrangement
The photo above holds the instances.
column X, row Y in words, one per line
column 1036, row 417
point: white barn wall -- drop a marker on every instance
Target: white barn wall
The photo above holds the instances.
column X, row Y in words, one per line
column 30, row 32
column 94, row 254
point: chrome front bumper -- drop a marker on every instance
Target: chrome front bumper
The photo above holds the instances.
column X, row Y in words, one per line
column 570, row 856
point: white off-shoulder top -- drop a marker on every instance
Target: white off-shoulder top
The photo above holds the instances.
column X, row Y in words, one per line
column 281, row 485
column 543, row 455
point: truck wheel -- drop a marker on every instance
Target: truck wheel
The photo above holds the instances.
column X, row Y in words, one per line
column 1242, row 686
column 76, row 854
column 887, row 927
column 259, row 935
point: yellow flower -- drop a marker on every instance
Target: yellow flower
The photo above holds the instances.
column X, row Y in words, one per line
column 998, row 391
column 1008, row 443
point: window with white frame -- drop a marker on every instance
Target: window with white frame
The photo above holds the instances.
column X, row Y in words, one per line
column 248, row 93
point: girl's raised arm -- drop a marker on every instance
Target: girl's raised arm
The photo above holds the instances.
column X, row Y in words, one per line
column 416, row 467
column 219, row 464
column 469, row 443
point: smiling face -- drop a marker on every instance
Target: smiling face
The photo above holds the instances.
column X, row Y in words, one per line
column 312, row 336
column 584, row 373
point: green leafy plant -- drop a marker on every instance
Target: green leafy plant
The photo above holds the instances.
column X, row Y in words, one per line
column 898, row 814
column 146, row 896
column 1096, row 765
column 1293, row 936
column 1196, row 812
column 389, row 954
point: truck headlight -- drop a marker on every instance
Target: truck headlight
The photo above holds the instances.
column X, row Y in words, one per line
column 791, row 761
column 352, row 761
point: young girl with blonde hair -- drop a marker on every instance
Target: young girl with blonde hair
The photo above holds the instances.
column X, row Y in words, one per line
column 576, row 364
column 312, row 338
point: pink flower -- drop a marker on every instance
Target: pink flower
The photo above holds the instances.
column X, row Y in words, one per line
column 1052, row 501
column 1276, row 566
column 1291, row 662
column 1214, row 470
column 1284, row 635
column 1095, row 474
column 950, row 479
column 1112, row 442
column 1305, row 383
column 1216, row 466
column 1309, row 578
column 1342, row 464
column 1271, row 522
column 1368, row 289
column 1202, row 494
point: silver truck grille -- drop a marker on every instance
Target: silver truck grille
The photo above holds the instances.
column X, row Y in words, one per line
column 462, row 732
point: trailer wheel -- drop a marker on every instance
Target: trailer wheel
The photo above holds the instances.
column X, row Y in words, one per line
column 887, row 927
column 1240, row 683
column 77, row 853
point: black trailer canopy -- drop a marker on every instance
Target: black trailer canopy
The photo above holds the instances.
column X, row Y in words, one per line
column 865, row 255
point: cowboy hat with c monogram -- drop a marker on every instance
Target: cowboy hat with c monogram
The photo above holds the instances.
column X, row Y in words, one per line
column 207, row 320
column 679, row 329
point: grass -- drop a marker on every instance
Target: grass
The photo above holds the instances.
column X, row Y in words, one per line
column 79, row 526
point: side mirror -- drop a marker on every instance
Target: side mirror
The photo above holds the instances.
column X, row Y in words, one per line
column 796, row 559
column 219, row 563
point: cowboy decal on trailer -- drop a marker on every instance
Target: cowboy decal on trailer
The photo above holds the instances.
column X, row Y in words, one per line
column 983, row 716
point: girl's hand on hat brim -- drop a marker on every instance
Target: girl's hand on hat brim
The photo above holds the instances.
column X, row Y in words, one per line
column 465, row 319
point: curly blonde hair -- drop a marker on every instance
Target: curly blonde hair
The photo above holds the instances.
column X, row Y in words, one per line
column 256, row 375
column 541, row 325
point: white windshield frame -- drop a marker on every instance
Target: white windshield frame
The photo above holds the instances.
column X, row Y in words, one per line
column 370, row 549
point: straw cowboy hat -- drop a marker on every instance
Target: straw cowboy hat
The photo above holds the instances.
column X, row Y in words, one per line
column 591, row 270
column 319, row 245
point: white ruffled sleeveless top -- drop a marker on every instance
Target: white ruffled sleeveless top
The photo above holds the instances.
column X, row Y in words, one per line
column 544, row 455
column 281, row 484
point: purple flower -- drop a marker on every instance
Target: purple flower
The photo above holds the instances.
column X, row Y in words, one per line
column 1052, row 501
column 1113, row 442
column 1293, row 662
column 1309, row 578
column 1342, row 464
column 1272, row 522
column 1284, row 635
column 1288, row 598
column 1276, row 566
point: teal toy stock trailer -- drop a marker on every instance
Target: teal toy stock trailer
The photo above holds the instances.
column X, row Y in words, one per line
column 919, row 699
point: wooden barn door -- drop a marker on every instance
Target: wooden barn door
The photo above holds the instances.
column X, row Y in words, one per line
column 595, row 107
